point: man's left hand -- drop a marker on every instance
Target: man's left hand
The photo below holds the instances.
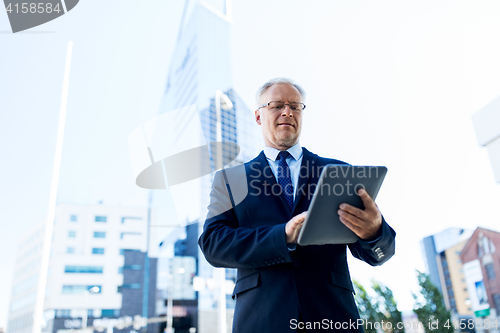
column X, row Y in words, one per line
column 364, row 223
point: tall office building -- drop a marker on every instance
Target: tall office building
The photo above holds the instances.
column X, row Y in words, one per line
column 86, row 266
column 452, row 280
column 441, row 253
column 201, row 66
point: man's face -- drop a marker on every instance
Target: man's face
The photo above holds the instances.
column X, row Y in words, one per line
column 281, row 129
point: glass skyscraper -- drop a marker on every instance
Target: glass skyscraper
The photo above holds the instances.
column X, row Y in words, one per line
column 200, row 66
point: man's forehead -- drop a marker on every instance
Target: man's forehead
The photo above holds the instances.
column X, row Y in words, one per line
column 282, row 91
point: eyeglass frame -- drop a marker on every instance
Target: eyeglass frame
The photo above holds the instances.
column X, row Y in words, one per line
column 284, row 105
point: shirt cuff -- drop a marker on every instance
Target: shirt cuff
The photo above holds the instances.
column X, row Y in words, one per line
column 291, row 247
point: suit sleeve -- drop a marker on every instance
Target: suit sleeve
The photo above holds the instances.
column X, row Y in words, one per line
column 377, row 252
column 225, row 244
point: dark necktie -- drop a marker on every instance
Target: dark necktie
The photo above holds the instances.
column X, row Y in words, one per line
column 284, row 178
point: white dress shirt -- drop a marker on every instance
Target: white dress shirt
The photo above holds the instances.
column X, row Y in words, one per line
column 294, row 162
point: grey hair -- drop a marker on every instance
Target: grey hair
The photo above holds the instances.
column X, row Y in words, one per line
column 274, row 81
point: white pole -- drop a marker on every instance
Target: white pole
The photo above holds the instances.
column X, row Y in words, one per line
column 170, row 303
column 85, row 315
column 44, row 265
column 222, row 271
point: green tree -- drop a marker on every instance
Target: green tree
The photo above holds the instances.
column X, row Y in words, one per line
column 366, row 308
column 388, row 307
column 431, row 310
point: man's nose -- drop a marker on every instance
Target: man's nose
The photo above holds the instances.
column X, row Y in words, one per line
column 287, row 112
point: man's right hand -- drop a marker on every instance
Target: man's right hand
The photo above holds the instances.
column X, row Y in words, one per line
column 293, row 226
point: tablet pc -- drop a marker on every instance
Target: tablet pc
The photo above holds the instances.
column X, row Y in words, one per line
column 338, row 184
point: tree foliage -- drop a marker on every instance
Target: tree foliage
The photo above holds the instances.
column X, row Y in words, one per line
column 388, row 307
column 366, row 308
column 381, row 309
column 431, row 309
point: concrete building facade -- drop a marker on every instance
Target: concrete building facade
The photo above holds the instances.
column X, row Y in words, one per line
column 452, row 280
column 441, row 253
column 87, row 251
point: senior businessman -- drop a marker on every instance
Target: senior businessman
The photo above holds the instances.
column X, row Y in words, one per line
column 282, row 286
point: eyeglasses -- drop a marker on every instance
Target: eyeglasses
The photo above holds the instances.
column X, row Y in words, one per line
column 278, row 106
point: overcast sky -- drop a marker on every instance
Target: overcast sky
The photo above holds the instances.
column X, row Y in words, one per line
column 388, row 83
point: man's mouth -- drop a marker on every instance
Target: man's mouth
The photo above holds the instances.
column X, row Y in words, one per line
column 285, row 124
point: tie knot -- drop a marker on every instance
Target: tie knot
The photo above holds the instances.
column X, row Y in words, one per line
column 283, row 155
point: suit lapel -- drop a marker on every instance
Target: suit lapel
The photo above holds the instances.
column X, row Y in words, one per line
column 261, row 170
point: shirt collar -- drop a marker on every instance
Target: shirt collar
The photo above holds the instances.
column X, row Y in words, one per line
column 295, row 151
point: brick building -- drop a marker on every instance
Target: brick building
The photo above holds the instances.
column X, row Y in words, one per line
column 481, row 265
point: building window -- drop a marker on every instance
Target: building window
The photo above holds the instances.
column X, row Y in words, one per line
column 490, row 271
column 453, row 304
column 130, row 218
column 100, row 218
column 130, row 267
column 129, row 234
column 63, row 313
column 110, row 312
column 122, row 251
column 99, row 234
column 129, row 286
column 83, row 269
column 71, row 234
column 70, row 250
column 73, row 218
column 68, row 289
column 97, row 250
column 496, row 300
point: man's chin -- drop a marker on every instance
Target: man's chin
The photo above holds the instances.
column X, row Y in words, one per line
column 287, row 141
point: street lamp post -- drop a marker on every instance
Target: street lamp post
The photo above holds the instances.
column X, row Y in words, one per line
column 170, row 293
column 226, row 105
column 170, row 304
column 93, row 290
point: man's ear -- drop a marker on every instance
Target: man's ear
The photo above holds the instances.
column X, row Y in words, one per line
column 257, row 117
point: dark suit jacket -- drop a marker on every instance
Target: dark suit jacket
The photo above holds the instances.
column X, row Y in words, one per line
column 274, row 285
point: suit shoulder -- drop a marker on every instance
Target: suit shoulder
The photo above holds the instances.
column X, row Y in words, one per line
column 325, row 161
column 322, row 160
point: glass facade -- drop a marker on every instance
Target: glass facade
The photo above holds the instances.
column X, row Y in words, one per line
column 201, row 66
